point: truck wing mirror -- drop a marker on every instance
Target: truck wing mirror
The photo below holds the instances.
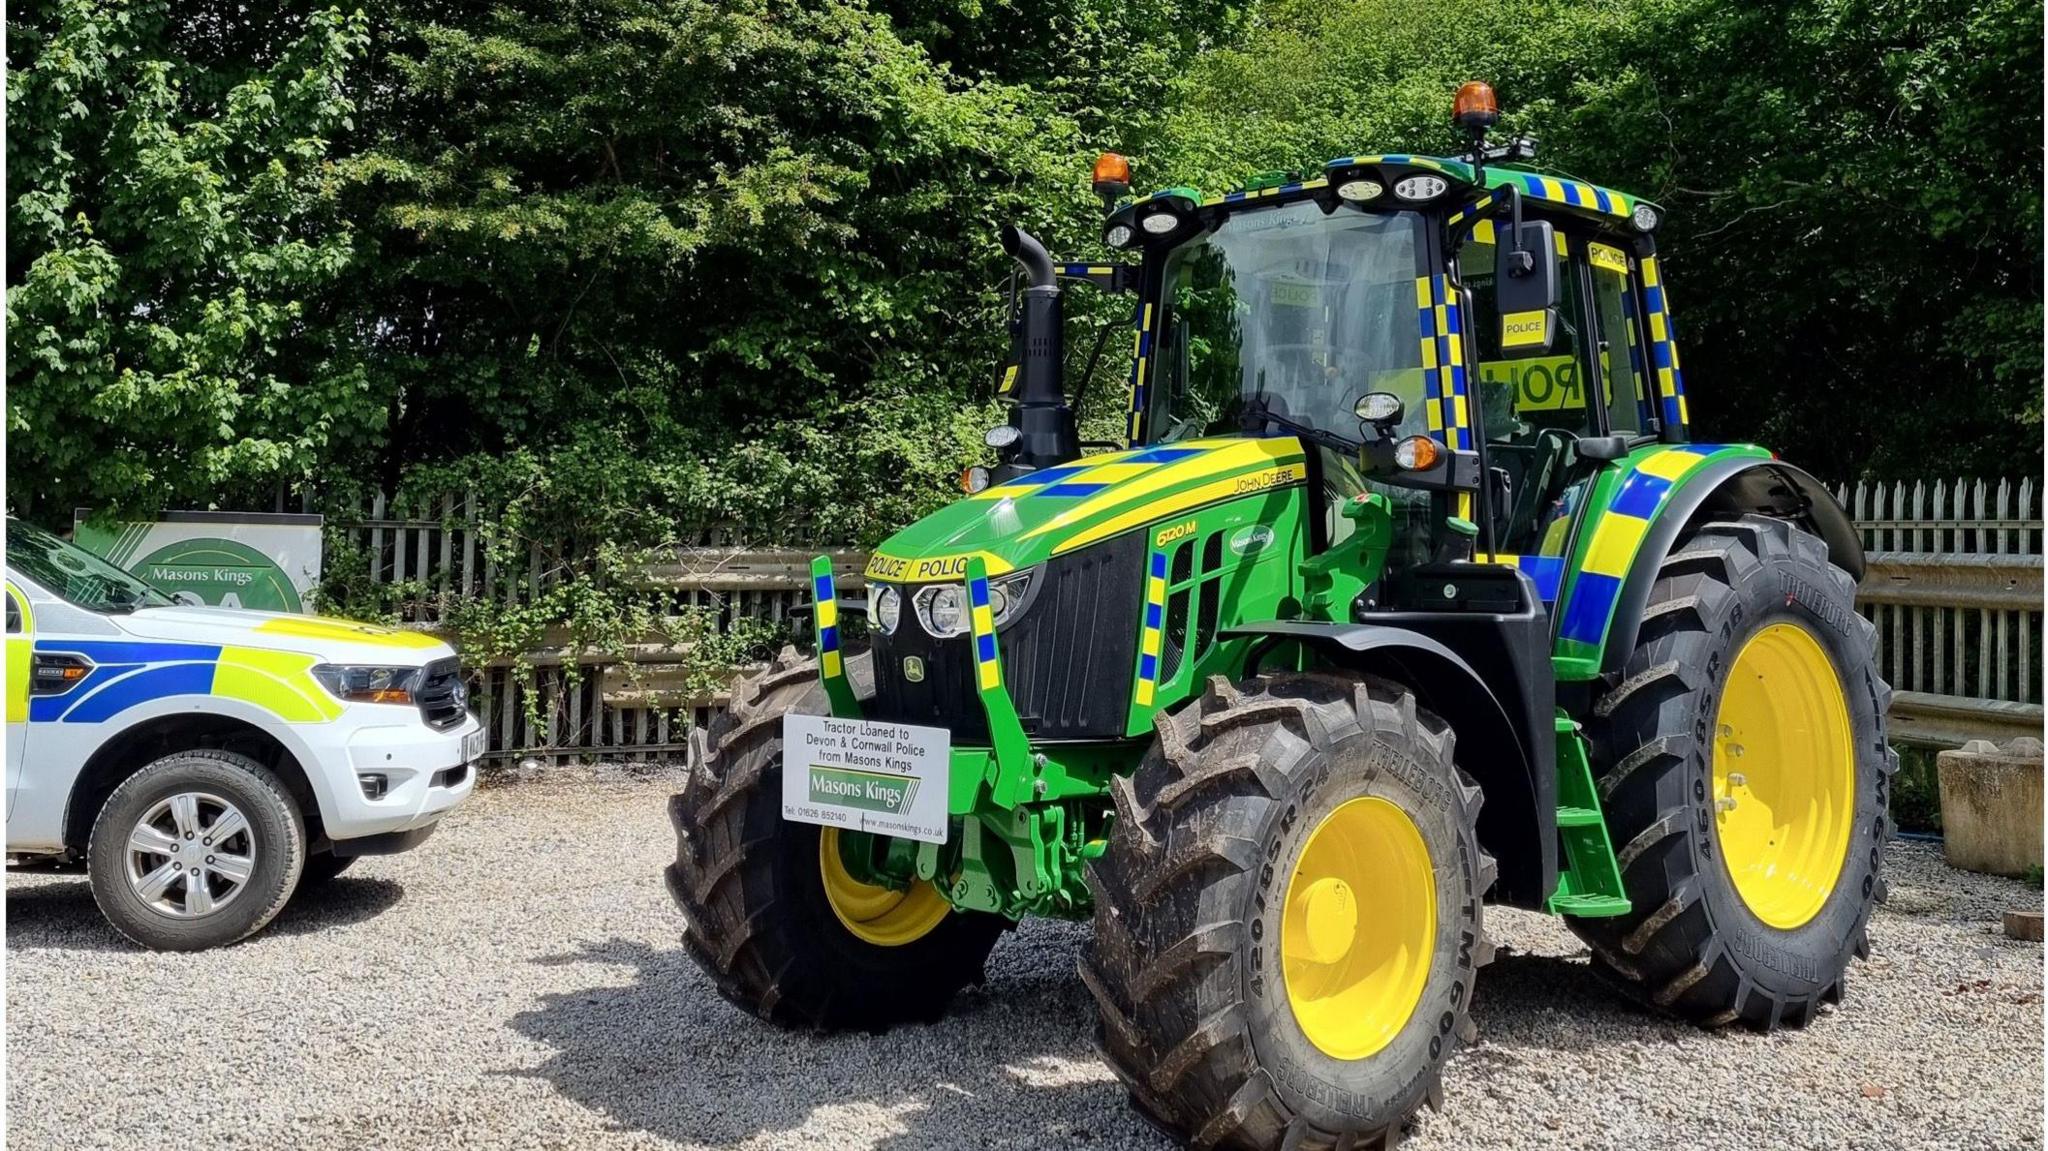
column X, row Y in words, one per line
column 1525, row 290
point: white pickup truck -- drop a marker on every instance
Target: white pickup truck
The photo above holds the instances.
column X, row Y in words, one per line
column 206, row 762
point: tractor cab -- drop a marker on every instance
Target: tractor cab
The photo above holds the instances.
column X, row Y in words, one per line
column 1361, row 312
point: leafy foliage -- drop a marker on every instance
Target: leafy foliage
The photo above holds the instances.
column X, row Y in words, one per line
column 1853, row 187
column 629, row 269
column 166, row 229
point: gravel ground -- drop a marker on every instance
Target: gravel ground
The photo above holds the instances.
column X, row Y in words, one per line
column 518, row 982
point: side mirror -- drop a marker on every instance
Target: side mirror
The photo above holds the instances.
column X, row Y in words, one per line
column 1525, row 289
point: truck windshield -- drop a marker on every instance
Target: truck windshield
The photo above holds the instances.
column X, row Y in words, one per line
column 1290, row 311
column 80, row 577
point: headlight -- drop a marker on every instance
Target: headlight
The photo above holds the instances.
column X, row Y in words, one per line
column 1006, row 595
column 885, row 607
column 363, row 684
column 942, row 608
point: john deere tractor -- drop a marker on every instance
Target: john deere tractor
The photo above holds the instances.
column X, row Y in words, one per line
column 1408, row 593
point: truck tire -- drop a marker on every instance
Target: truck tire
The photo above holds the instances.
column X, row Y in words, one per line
column 1246, row 998
column 199, row 849
column 753, row 887
column 1745, row 777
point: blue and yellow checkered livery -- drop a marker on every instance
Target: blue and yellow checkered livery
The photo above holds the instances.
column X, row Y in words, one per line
column 824, row 594
column 988, row 666
column 1443, row 362
column 1574, row 194
column 1149, row 642
column 1546, row 572
column 1617, row 535
column 1141, row 356
column 1664, row 349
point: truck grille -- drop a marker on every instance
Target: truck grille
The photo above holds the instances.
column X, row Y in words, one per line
column 1068, row 658
column 442, row 696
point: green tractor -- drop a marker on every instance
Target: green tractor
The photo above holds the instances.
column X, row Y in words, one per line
column 1409, row 593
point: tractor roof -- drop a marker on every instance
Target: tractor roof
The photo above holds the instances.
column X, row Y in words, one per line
column 1566, row 193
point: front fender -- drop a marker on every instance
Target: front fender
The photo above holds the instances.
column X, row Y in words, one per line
column 1506, row 738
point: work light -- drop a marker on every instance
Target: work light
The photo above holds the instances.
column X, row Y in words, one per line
column 1381, row 409
column 1420, row 188
column 1359, row 191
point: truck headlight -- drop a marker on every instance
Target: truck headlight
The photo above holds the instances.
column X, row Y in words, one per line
column 942, row 608
column 360, row 683
column 885, row 607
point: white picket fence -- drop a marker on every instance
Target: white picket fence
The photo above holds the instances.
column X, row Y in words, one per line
column 1954, row 586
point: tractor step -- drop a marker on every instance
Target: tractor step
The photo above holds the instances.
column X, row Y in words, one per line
column 1589, row 883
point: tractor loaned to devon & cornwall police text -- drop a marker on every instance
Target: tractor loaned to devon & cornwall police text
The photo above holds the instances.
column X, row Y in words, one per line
column 1408, row 593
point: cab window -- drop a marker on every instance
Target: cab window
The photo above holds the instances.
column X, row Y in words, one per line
column 1620, row 338
column 1534, row 408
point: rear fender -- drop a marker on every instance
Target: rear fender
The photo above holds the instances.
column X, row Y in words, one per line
column 1727, row 489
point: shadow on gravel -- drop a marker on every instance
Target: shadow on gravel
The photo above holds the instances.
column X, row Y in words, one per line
column 61, row 916
column 1530, row 999
column 1013, row 1064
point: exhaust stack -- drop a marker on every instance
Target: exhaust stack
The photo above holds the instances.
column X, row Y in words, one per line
column 1048, row 436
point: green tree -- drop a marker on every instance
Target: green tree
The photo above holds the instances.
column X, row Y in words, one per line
column 167, row 225
column 1853, row 188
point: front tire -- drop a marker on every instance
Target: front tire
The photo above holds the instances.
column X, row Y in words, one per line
column 1745, row 777
column 780, row 925
column 1287, row 916
column 199, row 849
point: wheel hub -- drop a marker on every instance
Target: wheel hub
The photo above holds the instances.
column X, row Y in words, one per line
column 879, row 915
column 190, row 855
column 1329, row 914
column 1784, row 775
column 1355, row 975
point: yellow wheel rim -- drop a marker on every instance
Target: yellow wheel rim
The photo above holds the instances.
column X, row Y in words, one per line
column 1358, row 929
column 879, row 915
column 1784, row 775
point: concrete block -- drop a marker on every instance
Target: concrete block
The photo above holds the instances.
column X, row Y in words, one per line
column 1991, row 806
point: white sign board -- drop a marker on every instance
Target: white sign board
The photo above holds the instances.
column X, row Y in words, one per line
column 884, row 778
column 257, row 560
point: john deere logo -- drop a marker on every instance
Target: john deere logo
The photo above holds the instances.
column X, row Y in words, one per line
column 1251, row 540
column 865, row 790
column 913, row 669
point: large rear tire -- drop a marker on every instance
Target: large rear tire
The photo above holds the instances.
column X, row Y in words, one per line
column 1745, row 777
column 1287, row 916
column 779, row 924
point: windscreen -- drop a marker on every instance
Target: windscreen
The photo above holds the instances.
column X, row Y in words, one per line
column 1291, row 311
column 79, row 576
